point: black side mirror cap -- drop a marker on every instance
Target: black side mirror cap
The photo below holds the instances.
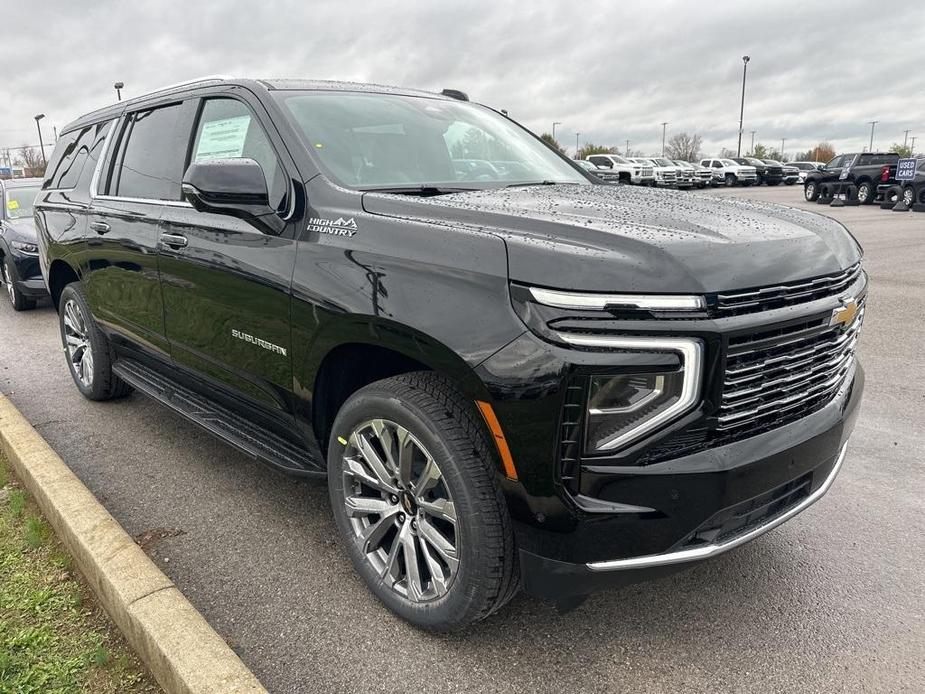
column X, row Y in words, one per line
column 234, row 187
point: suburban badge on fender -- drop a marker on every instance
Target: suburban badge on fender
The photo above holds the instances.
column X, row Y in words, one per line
column 334, row 227
column 257, row 341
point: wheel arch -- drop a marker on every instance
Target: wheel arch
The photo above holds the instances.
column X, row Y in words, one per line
column 335, row 369
column 60, row 274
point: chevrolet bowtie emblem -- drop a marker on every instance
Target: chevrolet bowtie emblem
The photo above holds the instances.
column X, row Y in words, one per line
column 844, row 315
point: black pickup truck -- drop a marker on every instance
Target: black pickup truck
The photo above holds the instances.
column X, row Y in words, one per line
column 866, row 170
column 768, row 174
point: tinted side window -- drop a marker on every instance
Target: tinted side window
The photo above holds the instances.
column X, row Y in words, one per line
column 62, row 159
column 601, row 161
column 152, row 158
column 229, row 130
column 834, row 164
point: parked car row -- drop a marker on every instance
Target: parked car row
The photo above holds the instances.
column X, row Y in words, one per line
column 866, row 171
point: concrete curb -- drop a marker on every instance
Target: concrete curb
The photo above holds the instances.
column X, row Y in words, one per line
column 182, row 651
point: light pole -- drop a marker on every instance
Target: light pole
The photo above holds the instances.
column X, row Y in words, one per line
column 664, row 130
column 912, row 145
column 782, row 141
column 41, row 144
column 626, row 152
column 576, row 144
column 753, row 143
column 554, row 124
column 872, row 124
column 119, row 86
column 745, row 60
column 906, row 138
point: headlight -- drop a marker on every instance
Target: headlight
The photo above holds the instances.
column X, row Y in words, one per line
column 623, row 408
column 25, row 247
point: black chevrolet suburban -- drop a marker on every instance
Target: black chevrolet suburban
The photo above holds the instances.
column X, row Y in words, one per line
column 511, row 375
column 866, row 170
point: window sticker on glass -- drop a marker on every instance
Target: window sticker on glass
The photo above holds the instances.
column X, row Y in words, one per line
column 12, row 204
column 222, row 139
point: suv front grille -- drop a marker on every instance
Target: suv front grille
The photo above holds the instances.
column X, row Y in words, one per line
column 772, row 380
column 766, row 298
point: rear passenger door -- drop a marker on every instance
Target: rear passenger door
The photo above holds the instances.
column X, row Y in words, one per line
column 226, row 283
column 140, row 178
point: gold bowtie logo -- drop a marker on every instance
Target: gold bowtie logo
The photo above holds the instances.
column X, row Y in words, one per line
column 845, row 314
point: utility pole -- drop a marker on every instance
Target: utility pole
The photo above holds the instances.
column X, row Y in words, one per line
column 554, row 124
column 576, row 144
column 872, row 124
column 745, row 60
column 906, row 137
column 912, row 146
column 782, row 141
column 752, row 150
column 664, row 130
column 626, row 152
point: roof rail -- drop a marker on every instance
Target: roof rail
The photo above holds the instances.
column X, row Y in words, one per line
column 185, row 83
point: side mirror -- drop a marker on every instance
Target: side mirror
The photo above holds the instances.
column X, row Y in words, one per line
column 234, row 187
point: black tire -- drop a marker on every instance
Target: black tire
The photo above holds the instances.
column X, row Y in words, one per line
column 102, row 383
column 448, row 426
column 730, row 180
column 811, row 191
column 867, row 192
column 16, row 297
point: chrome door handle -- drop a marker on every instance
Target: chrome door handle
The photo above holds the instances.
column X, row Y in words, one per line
column 100, row 227
column 174, row 240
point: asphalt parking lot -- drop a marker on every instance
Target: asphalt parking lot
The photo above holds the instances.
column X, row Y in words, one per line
column 832, row 601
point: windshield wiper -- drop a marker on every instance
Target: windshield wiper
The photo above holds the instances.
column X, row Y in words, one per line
column 421, row 190
column 532, row 183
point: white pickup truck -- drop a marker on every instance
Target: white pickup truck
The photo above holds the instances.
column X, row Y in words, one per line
column 630, row 172
column 729, row 173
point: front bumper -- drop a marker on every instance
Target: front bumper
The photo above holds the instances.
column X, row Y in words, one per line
column 28, row 278
column 693, row 492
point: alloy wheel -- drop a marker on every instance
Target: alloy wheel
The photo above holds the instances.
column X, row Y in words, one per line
column 810, row 190
column 908, row 197
column 863, row 192
column 400, row 510
column 77, row 343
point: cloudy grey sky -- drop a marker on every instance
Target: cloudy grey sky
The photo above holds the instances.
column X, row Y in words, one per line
column 610, row 70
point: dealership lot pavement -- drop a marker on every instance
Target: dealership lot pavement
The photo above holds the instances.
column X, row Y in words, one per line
column 832, row 601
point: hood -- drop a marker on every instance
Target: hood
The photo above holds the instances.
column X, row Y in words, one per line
column 634, row 239
column 22, row 229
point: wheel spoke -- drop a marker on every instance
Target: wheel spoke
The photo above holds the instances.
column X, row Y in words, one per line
column 437, row 577
column 371, row 457
column 372, row 537
column 428, row 478
column 412, row 569
column 355, row 468
column 405, row 456
column 364, row 505
column 436, row 540
column 386, row 437
column 443, row 509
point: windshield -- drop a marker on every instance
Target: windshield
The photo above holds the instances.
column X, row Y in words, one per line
column 371, row 141
column 19, row 202
column 664, row 162
column 727, row 162
column 772, row 162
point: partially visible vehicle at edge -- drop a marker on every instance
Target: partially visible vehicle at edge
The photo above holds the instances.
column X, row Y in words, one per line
column 805, row 167
column 791, row 173
column 511, row 375
column 911, row 191
column 765, row 173
column 866, row 170
column 684, row 177
column 702, row 176
column 629, row 171
column 605, row 175
column 20, row 272
column 665, row 176
column 731, row 173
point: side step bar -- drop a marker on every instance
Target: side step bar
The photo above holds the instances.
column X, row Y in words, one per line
column 252, row 439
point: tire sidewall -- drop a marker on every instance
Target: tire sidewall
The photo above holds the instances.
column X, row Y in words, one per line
column 868, row 198
column 810, row 191
column 463, row 598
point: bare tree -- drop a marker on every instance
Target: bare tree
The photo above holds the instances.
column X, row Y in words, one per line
column 31, row 159
column 684, row 146
column 821, row 152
